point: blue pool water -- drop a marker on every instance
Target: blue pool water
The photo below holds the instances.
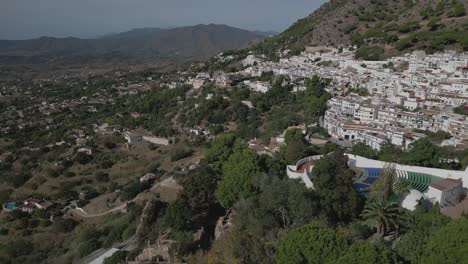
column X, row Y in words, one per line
column 10, row 206
column 360, row 187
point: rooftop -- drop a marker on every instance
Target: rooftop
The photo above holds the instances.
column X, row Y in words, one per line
column 447, row 184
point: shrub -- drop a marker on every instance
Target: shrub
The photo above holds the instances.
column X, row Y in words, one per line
column 457, row 10
column 88, row 247
column 69, row 174
column 370, row 53
column 65, row 225
column 101, row 176
column 52, row 173
column 181, row 153
column 110, row 145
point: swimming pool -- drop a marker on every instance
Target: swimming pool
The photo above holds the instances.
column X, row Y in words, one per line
column 10, row 206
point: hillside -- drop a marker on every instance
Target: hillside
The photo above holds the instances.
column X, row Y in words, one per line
column 384, row 26
column 138, row 45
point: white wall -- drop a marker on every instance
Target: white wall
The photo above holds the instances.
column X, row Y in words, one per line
column 450, row 174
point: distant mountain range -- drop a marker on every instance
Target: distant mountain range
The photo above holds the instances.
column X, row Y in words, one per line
column 145, row 45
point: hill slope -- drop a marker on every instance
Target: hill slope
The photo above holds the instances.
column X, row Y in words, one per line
column 394, row 26
column 138, row 45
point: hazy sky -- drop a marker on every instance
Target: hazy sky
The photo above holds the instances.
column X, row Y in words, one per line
column 21, row 19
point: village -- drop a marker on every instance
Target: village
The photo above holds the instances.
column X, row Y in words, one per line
column 101, row 151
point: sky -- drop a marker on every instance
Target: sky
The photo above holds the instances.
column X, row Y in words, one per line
column 22, row 19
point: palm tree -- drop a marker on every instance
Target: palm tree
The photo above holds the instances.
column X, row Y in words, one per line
column 383, row 215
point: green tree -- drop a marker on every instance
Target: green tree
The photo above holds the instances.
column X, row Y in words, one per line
column 220, row 149
column 422, row 225
column 118, row 257
column 367, row 253
column 293, row 152
column 363, row 150
column 333, row 184
column 294, row 135
column 199, row 193
column 280, row 205
column 449, row 244
column 178, row 215
column 383, row 188
column 382, row 215
column 17, row 248
column 422, row 153
column 311, row 243
column 236, row 181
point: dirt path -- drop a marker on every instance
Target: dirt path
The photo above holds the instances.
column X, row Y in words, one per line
column 82, row 213
column 167, row 188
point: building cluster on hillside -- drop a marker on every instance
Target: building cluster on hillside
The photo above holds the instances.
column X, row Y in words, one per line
column 28, row 205
column 412, row 91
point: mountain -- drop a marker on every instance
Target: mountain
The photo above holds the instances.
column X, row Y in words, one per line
column 139, row 45
column 385, row 26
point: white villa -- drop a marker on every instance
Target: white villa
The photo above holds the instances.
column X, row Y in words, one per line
column 445, row 187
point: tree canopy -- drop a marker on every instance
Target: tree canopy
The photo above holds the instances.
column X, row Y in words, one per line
column 236, row 181
column 449, row 244
column 311, row 243
column 367, row 253
column 333, row 184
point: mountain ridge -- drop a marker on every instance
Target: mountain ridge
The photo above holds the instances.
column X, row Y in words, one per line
column 137, row 45
column 391, row 26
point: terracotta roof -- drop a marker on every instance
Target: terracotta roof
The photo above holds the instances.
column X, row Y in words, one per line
column 447, row 184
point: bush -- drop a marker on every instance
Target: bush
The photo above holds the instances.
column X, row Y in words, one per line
column 181, row 153
column 52, row 173
column 107, row 164
column 17, row 248
column 3, row 231
column 69, row 174
column 408, row 27
column 83, row 158
column 110, row 145
column 65, row 225
column 101, row 176
column 457, row 10
column 117, row 258
column 88, row 247
column 152, row 146
column 153, row 167
column 372, row 53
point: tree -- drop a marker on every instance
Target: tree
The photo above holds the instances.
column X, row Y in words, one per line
column 17, row 248
column 333, row 183
column 316, row 97
column 383, row 215
column 366, row 252
column 280, row 204
column 383, row 188
column 311, row 243
column 199, row 193
column 220, row 149
column 118, row 257
column 449, row 244
column 222, row 251
column 422, row 225
column 422, row 153
column 390, row 153
column 293, row 152
column 294, row 135
column 236, row 181
column 363, row 150
column 178, row 215
column 315, row 106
